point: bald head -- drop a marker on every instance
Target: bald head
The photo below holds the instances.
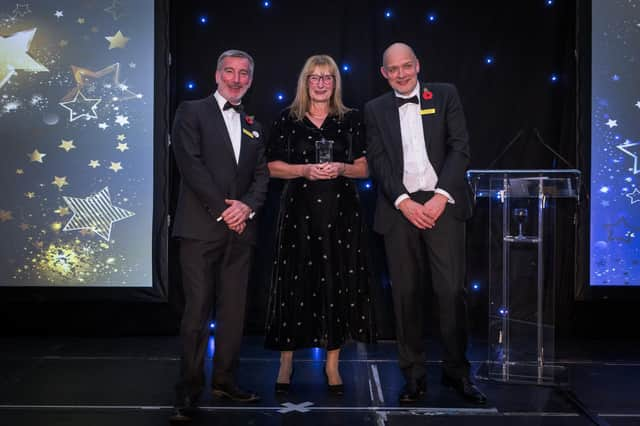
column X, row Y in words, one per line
column 397, row 49
column 400, row 67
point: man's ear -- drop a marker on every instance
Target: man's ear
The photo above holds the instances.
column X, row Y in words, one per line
column 384, row 72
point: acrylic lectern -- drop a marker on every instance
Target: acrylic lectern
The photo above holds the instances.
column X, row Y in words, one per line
column 520, row 208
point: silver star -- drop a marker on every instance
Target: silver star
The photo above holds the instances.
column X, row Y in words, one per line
column 87, row 107
column 634, row 196
column 95, row 213
column 627, row 149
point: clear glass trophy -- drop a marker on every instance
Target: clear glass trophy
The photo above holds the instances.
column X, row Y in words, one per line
column 324, row 151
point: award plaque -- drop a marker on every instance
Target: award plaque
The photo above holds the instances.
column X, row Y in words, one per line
column 324, row 151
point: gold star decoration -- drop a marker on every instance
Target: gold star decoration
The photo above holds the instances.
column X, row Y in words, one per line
column 122, row 147
column 14, row 55
column 116, row 167
column 36, row 156
column 5, row 215
column 59, row 182
column 30, row 195
column 62, row 211
column 84, row 77
column 67, row 145
column 56, row 226
column 121, row 137
column 118, row 40
column 19, row 171
column 80, row 21
column 94, row 163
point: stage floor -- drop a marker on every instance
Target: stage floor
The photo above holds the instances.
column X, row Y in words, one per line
column 129, row 381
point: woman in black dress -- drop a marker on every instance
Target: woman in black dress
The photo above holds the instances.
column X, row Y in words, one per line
column 319, row 295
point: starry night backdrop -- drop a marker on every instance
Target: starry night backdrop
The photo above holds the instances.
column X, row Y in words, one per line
column 514, row 64
column 615, row 144
column 76, row 119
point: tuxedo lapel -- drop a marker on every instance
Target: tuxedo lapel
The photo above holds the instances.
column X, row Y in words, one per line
column 245, row 139
column 393, row 122
column 426, row 104
column 220, row 126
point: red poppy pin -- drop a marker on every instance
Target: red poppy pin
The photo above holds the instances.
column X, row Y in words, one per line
column 426, row 94
column 250, row 119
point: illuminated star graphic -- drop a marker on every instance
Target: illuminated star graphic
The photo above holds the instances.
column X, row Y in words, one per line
column 122, row 147
column 14, row 55
column 24, row 226
column 634, row 196
column 63, row 43
column 612, row 123
column 86, row 77
column 5, row 215
column 80, row 20
column 103, row 126
column 30, row 195
column 116, row 167
column 59, row 182
column 638, row 104
column 117, row 41
column 67, row 145
column 36, row 156
column 122, row 120
column 59, row 14
column 62, row 211
column 133, row 65
column 94, row 163
column 632, row 149
column 19, row 171
column 95, row 213
column 80, row 106
column 115, row 10
column 121, row 137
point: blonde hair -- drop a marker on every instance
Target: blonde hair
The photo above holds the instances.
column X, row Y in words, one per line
column 302, row 102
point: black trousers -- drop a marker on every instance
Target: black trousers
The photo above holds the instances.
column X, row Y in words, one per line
column 212, row 270
column 409, row 251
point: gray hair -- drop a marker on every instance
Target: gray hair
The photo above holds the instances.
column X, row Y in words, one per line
column 235, row 54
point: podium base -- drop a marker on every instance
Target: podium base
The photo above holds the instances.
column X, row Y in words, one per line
column 523, row 373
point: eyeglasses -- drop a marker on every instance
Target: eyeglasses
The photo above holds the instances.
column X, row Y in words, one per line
column 326, row 78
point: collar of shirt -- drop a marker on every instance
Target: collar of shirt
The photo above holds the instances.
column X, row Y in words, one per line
column 414, row 92
column 221, row 101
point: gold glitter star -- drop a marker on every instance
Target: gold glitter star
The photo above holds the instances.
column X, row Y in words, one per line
column 29, row 195
column 122, row 147
column 118, row 40
column 19, row 171
column 56, row 226
column 80, row 20
column 94, row 163
column 62, row 211
column 59, row 182
column 121, row 137
column 115, row 167
column 67, row 145
column 14, row 55
column 36, row 156
column 5, row 215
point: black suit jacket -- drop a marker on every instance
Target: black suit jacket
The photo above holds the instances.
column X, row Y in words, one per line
column 207, row 164
column 446, row 139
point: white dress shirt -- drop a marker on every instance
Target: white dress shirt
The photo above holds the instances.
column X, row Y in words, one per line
column 232, row 121
column 418, row 173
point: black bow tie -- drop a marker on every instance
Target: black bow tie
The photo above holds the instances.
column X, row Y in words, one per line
column 401, row 101
column 238, row 108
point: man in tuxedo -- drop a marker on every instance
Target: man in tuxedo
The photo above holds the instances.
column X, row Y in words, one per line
column 418, row 152
column 219, row 151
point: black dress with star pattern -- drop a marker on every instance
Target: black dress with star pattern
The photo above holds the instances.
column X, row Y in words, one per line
column 319, row 294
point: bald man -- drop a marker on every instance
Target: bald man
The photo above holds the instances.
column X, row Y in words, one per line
column 418, row 152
